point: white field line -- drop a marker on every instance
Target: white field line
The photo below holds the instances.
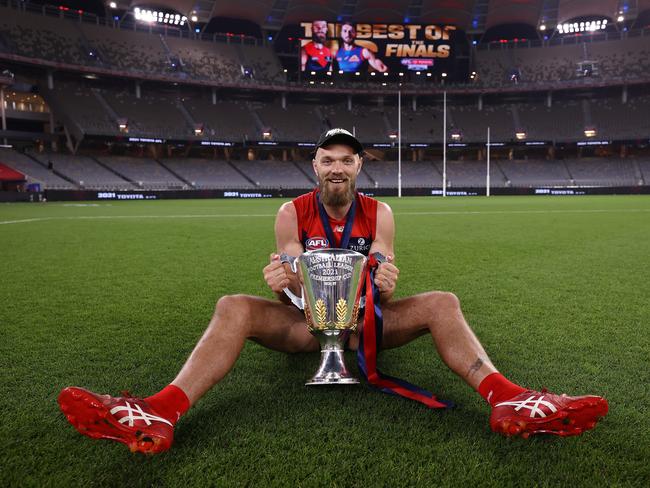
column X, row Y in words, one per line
column 3, row 222
column 497, row 212
column 226, row 216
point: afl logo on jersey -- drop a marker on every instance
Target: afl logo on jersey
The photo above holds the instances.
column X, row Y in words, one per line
column 314, row 243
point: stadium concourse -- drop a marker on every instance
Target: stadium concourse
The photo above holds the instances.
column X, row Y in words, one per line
column 104, row 96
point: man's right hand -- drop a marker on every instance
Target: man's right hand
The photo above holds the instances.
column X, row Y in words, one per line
column 276, row 274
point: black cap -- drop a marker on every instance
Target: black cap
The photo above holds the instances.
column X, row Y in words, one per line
column 339, row 136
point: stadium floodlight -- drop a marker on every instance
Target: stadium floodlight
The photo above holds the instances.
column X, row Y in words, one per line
column 198, row 129
column 195, row 18
column 285, row 70
column 356, row 73
column 417, row 73
column 456, row 136
column 520, row 135
column 401, row 74
column 429, row 75
column 123, row 125
column 582, row 26
column 620, row 18
column 392, row 135
column 385, row 73
column 444, row 75
column 542, row 27
column 590, row 132
column 329, row 73
column 112, row 5
column 266, row 134
column 340, row 71
column 373, row 73
column 313, row 73
column 383, row 84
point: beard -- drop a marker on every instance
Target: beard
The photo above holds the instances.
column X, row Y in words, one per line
column 336, row 198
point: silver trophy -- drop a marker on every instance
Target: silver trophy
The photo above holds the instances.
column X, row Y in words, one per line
column 331, row 293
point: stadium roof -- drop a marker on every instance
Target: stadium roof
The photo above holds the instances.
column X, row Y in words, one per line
column 470, row 15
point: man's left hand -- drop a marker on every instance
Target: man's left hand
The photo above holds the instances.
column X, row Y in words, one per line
column 386, row 276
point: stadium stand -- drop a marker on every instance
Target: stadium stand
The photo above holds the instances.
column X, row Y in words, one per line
column 152, row 115
column 531, row 173
column 421, row 125
column 145, row 173
column 208, row 174
column 368, row 122
column 81, row 106
column 472, row 122
column 296, row 122
column 37, row 36
column 272, row 174
column 415, row 174
column 616, row 120
column 228, row 107
column 602, row 172
column 644, row 170
column 227, row 120
column 266, row 65
column 627, row 58
column 35, row 171
column 471, row 174
column 564, row 120
column 207, row 60
column 84, row 171
column 33, row 35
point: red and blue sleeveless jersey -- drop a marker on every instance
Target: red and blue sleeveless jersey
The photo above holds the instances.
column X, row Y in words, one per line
column 318, row 59
column 312, row 234
column 350, row 59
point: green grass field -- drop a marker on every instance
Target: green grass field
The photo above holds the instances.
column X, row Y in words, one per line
column 113, row 296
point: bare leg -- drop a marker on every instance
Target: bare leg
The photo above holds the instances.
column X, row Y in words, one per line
column 439, row 314
column 237, row 318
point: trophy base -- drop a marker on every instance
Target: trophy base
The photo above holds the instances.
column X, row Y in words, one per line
column 332, row 381
column 332, row 370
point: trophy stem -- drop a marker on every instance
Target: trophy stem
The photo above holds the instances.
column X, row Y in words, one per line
column 332, row 369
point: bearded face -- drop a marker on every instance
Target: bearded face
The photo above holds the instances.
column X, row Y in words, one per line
column 337, row 167
column 348, row 34
column 319, row 31
column 335, row 197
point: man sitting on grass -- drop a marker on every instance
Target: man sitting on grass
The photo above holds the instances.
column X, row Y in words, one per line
column 334, row 215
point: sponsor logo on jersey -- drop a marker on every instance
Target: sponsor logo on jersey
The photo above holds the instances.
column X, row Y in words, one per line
column 314, row 243
column 359, row 244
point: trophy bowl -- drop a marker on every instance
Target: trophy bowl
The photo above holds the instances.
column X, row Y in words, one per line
column 331, row 287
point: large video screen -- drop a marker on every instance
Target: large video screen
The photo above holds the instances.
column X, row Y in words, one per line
column 384, row 48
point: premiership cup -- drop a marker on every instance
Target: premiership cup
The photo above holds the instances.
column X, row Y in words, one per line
column 331, row 294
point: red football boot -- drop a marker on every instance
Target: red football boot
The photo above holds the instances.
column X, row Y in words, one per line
column 534, row 412
column 130, row 421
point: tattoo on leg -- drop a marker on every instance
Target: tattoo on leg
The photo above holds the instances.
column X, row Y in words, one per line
column 475, row 367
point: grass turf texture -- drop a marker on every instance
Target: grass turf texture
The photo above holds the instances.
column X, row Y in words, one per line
column 115, row 295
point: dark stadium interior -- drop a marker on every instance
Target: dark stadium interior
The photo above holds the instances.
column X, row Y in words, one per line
column 96, row 98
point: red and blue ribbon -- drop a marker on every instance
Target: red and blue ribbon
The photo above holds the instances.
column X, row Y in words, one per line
column 370, row 344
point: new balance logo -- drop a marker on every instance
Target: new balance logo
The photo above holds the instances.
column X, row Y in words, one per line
column 533, row 404
column 136, row 413
column 332, row 132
